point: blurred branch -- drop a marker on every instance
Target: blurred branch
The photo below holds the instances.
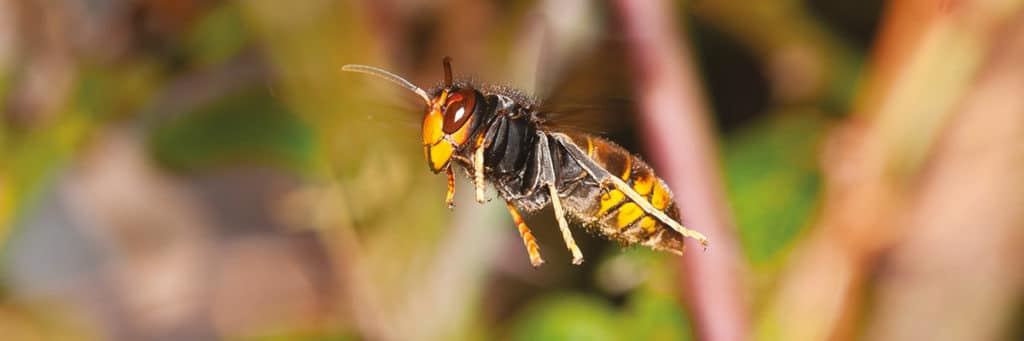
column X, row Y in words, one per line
column 45, row 75
column 681, row 143
column 965, row 218
column 871, row 164
column 38, row 127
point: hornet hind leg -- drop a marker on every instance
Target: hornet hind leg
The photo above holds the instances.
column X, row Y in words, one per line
column 547, row 177
column 528, row 239
column 570, row 242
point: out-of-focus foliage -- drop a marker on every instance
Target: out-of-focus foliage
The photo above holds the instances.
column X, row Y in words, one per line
column 568, row 316
column 239, row 129
column 217, row 36
column 648, row 312
column 772, row 173
column 18, row 322
column 204, row 170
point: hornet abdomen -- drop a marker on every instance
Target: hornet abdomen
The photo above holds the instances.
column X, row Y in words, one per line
column 612, row 213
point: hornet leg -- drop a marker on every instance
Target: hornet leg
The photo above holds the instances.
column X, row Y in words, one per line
column 563, row 225
column 449, row 197
column 528, row 239
column 478, row 174
column 547, row 176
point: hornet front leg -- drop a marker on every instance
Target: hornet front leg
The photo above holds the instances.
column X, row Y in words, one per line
column 478, row 174
column 449, row 197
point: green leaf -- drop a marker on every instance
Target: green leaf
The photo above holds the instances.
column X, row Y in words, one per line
column 218, row 35
column 248, row 128
column 567, row 317
column 655, row 315
column 773, row 180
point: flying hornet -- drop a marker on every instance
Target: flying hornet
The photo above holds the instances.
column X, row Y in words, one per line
column 500, row 136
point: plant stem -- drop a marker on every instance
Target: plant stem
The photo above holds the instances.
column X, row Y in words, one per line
column 680, row 142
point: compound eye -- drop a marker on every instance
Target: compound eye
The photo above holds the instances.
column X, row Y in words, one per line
column 458, row 110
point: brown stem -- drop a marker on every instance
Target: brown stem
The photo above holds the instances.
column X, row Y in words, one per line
column 873, row 166
column 964, row 219
column 675, row 120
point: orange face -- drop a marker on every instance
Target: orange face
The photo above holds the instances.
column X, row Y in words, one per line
column 445, row 127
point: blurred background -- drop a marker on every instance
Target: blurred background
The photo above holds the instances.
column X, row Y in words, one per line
column 203, row 170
